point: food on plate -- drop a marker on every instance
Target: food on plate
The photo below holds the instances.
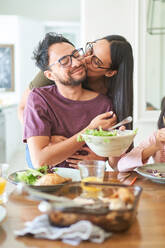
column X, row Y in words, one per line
column 43, row 176
column 52, row 179
column 30, row 176
column 156, row 173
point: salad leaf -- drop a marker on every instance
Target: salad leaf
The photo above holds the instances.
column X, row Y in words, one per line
column 97, row 132
column 100, row 132
column 30, row 176
column 135, row 131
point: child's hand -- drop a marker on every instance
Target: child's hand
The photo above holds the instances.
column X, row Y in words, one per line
column 160, row 137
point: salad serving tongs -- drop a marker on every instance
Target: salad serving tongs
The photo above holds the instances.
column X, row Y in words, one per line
column 123, row 122
column 60, row 202
column 38, row 195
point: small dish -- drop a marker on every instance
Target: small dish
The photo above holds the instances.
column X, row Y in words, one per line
column 147, row 171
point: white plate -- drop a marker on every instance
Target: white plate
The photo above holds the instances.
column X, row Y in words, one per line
column 71, row 173
column 74, row 174
column 144, row 171
column 3, row 213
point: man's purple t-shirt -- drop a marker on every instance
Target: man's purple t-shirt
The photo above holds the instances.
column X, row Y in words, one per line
column 48, row 113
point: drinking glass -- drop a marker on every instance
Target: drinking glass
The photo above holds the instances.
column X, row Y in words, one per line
column 91, row 171
column 3, row 181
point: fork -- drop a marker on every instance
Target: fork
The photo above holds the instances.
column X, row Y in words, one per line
column 123, row 122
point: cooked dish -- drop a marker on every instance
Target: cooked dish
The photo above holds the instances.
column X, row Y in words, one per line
column 52, row 179
column 113, row 210
column 156, row 173
column 43, row 176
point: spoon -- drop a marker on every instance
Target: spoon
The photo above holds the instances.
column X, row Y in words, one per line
column 123, row 122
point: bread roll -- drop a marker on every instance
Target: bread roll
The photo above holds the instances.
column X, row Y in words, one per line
column 52, row 179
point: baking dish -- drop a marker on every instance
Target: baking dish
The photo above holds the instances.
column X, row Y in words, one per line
column 113, row 208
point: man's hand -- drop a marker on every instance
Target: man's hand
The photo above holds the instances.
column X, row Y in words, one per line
column 84, row 154
column 106, row 120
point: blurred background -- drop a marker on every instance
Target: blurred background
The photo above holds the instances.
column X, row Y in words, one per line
column 23, row 23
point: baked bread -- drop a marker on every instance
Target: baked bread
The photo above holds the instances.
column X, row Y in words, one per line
column 52, row 179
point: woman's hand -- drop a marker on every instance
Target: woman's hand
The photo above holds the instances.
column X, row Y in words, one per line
column 106, row 120
column 84, row 154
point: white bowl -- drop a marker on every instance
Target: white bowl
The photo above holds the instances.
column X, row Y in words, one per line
column 106, row 146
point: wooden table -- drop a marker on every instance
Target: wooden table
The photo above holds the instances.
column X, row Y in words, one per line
column 148, row 230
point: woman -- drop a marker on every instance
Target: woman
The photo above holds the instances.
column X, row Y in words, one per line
column 153, row 147
column 110, row 70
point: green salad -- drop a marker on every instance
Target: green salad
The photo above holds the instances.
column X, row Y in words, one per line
column 100, row 132
column 30, row 176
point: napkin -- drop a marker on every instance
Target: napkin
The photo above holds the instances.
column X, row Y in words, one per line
column 74, row 234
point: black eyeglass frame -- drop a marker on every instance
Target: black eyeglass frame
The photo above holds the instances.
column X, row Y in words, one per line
column 70, row 56
column 90, row 44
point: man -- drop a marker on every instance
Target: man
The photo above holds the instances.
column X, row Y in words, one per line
column 55, row 115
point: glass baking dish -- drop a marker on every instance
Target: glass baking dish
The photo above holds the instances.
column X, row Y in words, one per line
column 111, row 206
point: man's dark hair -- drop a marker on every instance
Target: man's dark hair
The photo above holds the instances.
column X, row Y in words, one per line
column 41, row 52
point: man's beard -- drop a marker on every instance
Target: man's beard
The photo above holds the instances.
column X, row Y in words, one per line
column 73, row 82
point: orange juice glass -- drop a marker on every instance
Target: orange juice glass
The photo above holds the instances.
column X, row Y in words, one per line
column 91, row 171
column 3, row 176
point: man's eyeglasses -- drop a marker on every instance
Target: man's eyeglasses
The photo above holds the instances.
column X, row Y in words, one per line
column 66, row 60
column 95, row 61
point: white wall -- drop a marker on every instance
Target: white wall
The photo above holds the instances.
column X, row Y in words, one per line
column 30, row 33
column 100, row 18
column 49, row 10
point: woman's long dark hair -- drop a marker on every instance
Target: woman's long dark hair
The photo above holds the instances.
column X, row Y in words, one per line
column 120, row 86
column 162, row 114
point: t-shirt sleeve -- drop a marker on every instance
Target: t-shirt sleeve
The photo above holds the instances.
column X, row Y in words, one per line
column 39, row 81
column 37, row 121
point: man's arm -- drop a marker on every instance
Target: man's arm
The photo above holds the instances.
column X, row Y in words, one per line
column 22, row 104
column 43, row 152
